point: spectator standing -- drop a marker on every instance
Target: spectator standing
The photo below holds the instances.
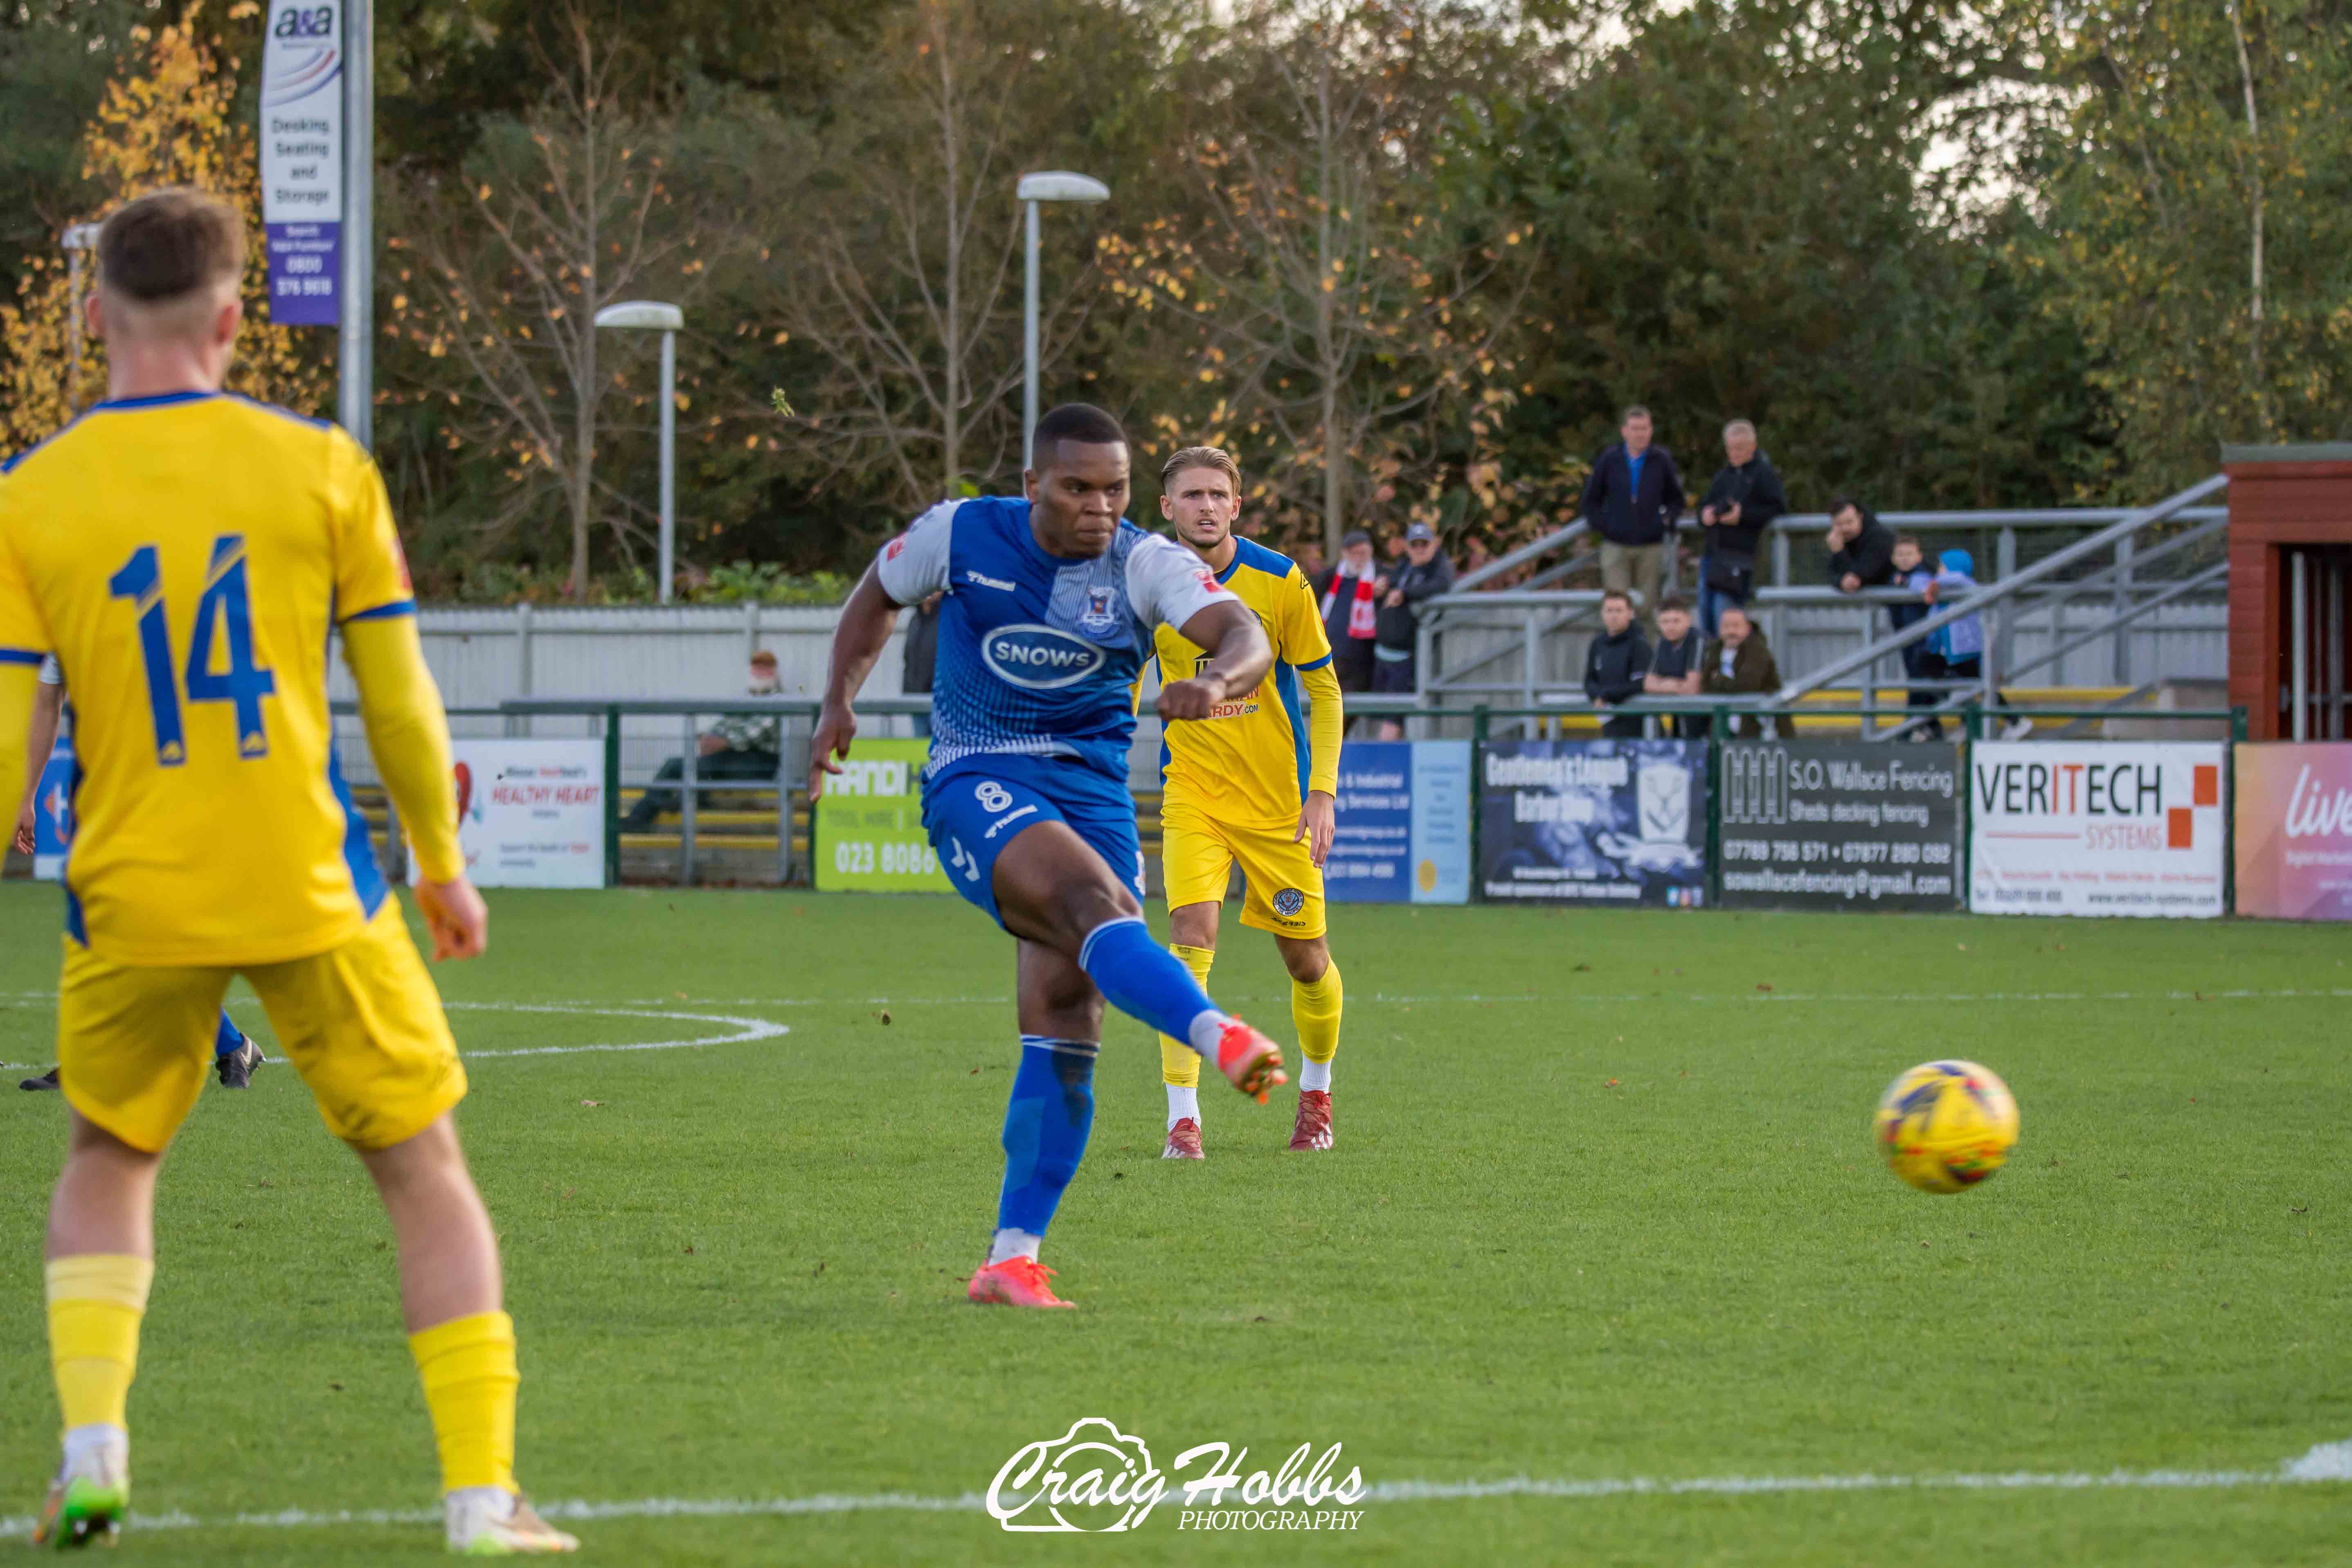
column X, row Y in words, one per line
column 1426, row 573
column 1615, row 664
column 1351, row 592
column 740, row 746
column 1913, row 575
column 1632, row 499
column 1956, row 648
column 922, row 654
column 1675, row 663
column 1738, row 663
column 1741, row 503
column 1862, row 548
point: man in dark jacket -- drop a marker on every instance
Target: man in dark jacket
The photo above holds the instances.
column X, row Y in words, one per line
column 1614, row 664
column 1862, row 548
column 1631, row 500
column 1426, row 573
column 1738, row 663
column 1741, row 502
column 1675, row 664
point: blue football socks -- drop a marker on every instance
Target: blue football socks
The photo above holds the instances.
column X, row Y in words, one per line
column 1045, row 1129
column 228, row 1039
column 1146, row 982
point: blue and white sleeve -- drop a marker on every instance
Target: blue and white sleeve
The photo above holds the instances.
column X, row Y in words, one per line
column 1167, row 585
column 914, row 567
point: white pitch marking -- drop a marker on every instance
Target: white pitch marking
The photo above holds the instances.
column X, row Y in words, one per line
column 747, row 1029
column 2325, row 1462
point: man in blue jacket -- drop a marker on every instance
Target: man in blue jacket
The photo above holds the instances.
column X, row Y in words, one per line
column 1631, row 500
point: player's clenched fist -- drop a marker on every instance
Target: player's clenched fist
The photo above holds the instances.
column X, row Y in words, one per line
column 455, row 916
column 1194, row 699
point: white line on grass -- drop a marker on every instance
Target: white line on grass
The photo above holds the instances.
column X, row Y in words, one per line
column 2324, row 1462
column 1614, row 998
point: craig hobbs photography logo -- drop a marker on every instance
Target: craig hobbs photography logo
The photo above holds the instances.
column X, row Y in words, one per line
column 1094, row 1478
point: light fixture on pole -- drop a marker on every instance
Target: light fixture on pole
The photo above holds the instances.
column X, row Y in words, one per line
column 652, row 315
column 1051, row 185
column 78, row 241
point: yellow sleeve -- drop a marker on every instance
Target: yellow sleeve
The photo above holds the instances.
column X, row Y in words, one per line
column 371, row 572
column 1324, row 720
column 23, row 639
column 409, row 735
column 1304, row 641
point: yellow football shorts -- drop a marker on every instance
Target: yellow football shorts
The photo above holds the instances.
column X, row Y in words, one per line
column 361, row 1023
column 1283, row 888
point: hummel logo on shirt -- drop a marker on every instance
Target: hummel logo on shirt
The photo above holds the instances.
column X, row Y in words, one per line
column 971, row 576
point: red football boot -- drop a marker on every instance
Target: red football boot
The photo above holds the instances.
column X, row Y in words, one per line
column 1015, row 1282
column 1313, row 1130
column 1183, row 1141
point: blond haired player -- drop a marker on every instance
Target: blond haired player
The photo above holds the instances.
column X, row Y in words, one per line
column 184, row 553
column 1254, row 783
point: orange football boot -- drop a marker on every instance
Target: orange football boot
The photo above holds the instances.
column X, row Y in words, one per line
column 1015, row 1282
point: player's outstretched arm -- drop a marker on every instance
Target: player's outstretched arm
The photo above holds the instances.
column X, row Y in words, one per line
column 41, row 738
column 409, row 735
column 1239, row 656
column 857, row 641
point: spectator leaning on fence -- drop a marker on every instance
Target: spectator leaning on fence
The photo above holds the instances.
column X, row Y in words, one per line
column 1862, row 548
column 1742, row 501
column 1631, row 500
column 1738, row 663
column 740, row 746
column 1615, row 663
column 1675, row 663
column 1351, row 593
column 1426, row 574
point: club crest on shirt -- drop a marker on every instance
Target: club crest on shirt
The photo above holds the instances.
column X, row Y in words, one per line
column 1101, row 613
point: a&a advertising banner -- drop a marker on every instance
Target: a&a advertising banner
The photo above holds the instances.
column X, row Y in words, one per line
column 1621, row 822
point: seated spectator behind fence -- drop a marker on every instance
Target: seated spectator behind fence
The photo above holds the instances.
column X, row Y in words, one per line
column 1913, row 574
column 1738, row 663
column 1862, row 548
column 1351, row 593
column 1740, row 504
column 1956, row 649
column 1426, row 574
column 1632, row 499
column 740, row 746
column 1615, row 663
column 1675, row 663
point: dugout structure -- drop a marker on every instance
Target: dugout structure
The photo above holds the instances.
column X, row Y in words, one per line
column 2290, row 562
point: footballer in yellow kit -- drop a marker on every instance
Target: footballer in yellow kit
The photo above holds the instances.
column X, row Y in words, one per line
column 184, row 554
column 1254, row 783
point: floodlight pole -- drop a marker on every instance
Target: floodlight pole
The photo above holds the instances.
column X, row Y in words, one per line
column 355, row 369
column 652, row 315
column 1053, row 186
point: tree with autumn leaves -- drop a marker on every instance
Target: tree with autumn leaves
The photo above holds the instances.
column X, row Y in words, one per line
column 168, row 119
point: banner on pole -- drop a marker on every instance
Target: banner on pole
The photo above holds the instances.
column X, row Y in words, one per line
column 302, row 162
column 1621, row 822
column 1834, row 824
column 2095, row 827
column 867, row 833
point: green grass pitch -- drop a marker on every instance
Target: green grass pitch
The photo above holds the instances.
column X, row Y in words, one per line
column 1603, row 1206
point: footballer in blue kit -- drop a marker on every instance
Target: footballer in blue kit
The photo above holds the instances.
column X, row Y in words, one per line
column 1051, row 600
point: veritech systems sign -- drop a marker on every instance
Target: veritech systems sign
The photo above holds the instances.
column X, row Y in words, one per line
column 2095, row 828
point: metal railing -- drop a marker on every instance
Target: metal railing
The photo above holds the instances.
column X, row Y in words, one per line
column 2123, row 595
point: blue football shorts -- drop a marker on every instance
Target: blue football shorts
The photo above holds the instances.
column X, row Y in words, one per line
column 985, row 802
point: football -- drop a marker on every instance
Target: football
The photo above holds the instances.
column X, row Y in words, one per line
column 1946, row 1126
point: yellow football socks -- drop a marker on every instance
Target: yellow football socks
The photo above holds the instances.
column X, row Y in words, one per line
column 468, row 1368
column 1315, row 1010
column 1180, row 1064
column 96, row 1301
